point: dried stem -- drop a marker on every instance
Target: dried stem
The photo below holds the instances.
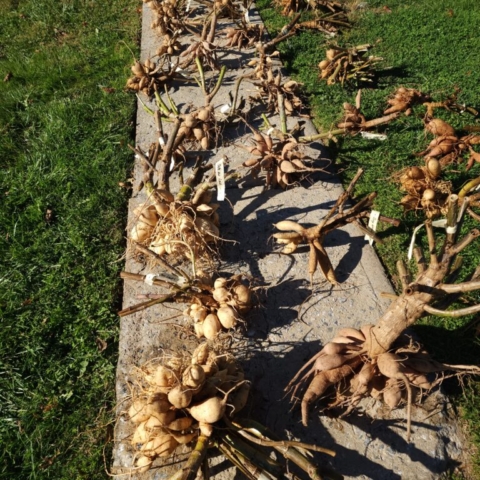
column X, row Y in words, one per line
column 189, row 471
column 368, row 231
column 342, row 131
column 242, row 463
column 420, row 259
column 257, row 457
column 284, row 34
column 431, row 243
column 403, row 273
column 460, row 287
column 292, row 453
column 281, row 111
column 144, row 305
column 146, row 251
column 137, row 277
column 452, row 313
column 266, row 442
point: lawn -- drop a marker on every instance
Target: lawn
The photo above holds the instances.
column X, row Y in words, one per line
column 65, row 120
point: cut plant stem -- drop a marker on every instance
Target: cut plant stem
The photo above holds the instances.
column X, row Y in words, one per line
column 176, row 271
column 195, row 460
column 144, row 305
column 256, row 456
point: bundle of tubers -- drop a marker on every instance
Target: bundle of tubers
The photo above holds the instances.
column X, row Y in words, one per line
column 330, row 17
column 244, row 36
column 277, row 95
column 203, row 51
column 447, row 146
column 148, row 76
column 169, row 226
column 170, row 45
column 354, row 121
column 178, row 397
column 282, row 161
column 403, row 99
column 292, row 234
column 168, row 16
column 375, row 359
column 199, row 126
column 230, row 299
column 348, row 64
column 425, row 190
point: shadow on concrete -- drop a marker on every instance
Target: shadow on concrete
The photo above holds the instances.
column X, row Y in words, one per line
column 269, row 406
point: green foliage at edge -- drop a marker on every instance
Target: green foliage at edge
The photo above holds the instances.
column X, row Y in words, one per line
column 64, row 124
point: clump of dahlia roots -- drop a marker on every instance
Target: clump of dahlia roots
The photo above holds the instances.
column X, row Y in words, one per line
column 375, row 360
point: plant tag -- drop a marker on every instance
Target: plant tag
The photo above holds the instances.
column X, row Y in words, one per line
column 161, row 141
column 412, row 241
column 225, row 108
column 372, row 224
column 442, row 223
column 373, row 136
column 220, row 174
column 149, row 278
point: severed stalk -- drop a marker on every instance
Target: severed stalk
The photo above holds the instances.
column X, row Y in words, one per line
column 195, row 459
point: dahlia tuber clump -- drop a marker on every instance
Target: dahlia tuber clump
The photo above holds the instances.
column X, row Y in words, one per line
column 187, row 403
column 375, row 360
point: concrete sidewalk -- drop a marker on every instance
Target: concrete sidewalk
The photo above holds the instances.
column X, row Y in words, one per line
column 370, row 444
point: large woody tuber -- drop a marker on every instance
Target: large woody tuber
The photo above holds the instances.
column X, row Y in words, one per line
column 376, row 358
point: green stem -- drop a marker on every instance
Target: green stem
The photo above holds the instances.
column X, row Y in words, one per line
column 323, row 136
column 468, row 186
column 237, row 88
column 201, row 73
column 147, row 109
column 161, row 105
column 189, row 471
column 171, row 102
column 217, row 86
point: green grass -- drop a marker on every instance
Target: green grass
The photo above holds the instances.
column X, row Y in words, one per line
column 64, row 124
column 426, row 45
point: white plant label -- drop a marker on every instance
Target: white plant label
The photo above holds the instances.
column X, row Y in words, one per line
column 372, row 224
column 161, row 141
column 373, row 136
column 225, row 108
column 220, row 174
column 442, row 223
column 149, row 278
